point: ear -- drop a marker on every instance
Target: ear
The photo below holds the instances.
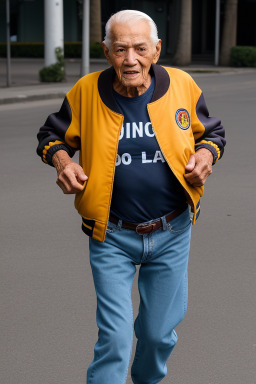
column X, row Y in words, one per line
column 158, row 51
column 106, row 52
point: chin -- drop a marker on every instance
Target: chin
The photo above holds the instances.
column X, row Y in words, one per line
column 132, row 83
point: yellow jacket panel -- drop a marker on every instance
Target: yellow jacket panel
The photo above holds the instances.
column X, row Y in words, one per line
column 89, row 120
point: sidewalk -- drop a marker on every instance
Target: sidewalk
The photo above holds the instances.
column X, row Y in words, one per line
column 25, row 84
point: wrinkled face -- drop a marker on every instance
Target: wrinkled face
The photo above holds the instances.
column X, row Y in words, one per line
column 132, row 52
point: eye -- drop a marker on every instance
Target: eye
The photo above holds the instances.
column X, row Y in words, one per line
column 141, row 49
column 120, row 50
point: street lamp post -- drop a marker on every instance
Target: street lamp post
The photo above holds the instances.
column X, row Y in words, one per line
column 85, row 65
column 53, row 25
column 8, row 43
column 217, row 33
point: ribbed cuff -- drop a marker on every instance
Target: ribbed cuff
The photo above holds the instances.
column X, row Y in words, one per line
column 56, row 148
column 210, row 148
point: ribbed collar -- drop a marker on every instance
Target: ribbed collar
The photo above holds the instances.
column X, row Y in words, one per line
column 105, row 85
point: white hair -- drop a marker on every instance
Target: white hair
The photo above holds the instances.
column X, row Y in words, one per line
column 131, row 16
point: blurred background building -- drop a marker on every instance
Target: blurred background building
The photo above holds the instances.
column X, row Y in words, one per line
column 27, row 22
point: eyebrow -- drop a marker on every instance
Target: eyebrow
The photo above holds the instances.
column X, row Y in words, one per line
column 126, row 45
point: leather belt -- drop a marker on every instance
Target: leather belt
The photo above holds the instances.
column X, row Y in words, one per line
column 142, row 229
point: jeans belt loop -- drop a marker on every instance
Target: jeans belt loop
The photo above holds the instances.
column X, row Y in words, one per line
column 164, row 223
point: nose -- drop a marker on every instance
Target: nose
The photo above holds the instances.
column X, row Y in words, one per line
column 130, row 58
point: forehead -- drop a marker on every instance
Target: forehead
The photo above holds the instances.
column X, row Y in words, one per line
column 130, row 32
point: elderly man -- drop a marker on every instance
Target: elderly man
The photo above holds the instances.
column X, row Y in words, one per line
column 147, row 145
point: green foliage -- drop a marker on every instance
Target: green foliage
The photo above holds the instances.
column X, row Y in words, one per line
column 74, row 50
column 23, row 49
column 243, row 56
column 96, row 50
column 54, row 72
column 60, row 56
column 71, row 50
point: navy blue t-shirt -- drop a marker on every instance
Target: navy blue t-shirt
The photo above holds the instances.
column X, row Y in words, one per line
column 144, row 185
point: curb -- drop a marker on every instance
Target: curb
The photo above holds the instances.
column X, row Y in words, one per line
column 21, row 95
column 24, row 98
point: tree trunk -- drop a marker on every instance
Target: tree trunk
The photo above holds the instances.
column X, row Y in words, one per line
column 95, row 22
column 183, row 51
column 95, row 19
column 229, row 31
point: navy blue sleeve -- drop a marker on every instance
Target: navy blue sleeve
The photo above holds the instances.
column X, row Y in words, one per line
column 51, row 136
column 213, row 137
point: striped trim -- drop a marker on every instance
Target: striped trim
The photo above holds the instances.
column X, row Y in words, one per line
column 215, row 146
column 198, row 211
column 194, row 215
column 47, row 147
column 87, row 226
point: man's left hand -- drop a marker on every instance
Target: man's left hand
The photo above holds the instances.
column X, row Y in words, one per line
column 199, row 167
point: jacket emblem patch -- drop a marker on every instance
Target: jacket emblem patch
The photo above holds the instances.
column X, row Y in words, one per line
column 182, row 118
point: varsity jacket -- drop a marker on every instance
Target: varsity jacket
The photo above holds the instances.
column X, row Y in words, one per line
column 89, row 120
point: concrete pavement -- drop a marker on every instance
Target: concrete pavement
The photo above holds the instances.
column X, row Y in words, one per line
column 25, row 84
column 47, row 296
column 27, row 87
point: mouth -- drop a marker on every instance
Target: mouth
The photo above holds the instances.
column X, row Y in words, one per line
column 130, row 73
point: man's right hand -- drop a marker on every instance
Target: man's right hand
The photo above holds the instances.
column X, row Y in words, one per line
column 71, row 176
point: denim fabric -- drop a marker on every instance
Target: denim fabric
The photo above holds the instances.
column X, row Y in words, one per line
column 162, row 282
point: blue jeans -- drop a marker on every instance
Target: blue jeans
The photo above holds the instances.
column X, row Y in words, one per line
column 162, row 282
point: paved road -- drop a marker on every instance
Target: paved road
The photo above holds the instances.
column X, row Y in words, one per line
column 47, row 297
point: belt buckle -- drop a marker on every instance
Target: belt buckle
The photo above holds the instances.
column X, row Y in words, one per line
column 144, row 226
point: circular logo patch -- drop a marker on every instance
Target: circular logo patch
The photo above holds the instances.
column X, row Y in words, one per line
column 182, row 118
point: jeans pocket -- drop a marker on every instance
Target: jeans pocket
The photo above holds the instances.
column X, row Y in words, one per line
column 111, row 227
column 180, row 224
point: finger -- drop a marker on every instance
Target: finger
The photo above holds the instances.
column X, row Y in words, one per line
column 193, row 174
column 64, row 183
column 196, row 182
column 78, row 172
column 62, row 186
column 201, row 169
column 72, row 179
column 72, row 184
column 81, row 175
column 196, row 179
column 68, row 189
column 191, row 164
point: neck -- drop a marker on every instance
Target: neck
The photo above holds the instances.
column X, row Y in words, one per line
column 131, row 91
